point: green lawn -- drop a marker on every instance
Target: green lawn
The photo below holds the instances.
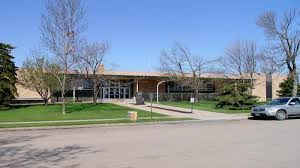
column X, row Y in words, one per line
column 78, row 111
column 203, row 105
column 74, row 112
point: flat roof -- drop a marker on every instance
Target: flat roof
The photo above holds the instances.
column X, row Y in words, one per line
column 128, row 74
column 159, row 74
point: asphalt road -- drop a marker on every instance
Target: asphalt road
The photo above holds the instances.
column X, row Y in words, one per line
column 222, row 144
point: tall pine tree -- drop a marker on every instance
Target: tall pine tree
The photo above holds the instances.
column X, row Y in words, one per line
column 286, row 88
column 8, row 76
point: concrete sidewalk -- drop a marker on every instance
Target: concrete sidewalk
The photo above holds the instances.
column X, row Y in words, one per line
column 185, row 113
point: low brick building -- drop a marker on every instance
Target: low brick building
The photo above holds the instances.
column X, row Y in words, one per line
column 125, row 85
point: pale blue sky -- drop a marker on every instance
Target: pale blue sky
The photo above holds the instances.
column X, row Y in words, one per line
column 139, row 29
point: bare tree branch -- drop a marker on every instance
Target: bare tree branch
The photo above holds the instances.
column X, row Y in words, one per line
column 183, row 67
column 241, row 59
column 284, row 33
column 270, row 61
column 92, row 62
column 61, row 27
column 36, row 75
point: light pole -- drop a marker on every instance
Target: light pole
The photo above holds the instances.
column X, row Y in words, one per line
column 157, row 87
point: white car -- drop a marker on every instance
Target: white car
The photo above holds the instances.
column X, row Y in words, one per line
column 280, row 108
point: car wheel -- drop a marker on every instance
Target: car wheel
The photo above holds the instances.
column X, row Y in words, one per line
column 255, row 118
column 281, row 115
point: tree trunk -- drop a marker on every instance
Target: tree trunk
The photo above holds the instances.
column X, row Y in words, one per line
column 63, row 95
column 196, row 95
column 295, row 83
column 45, row 101
column 94, row 91
column 295, row 88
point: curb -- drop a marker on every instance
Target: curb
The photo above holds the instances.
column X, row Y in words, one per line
column 91, row 126
column 114, row 125
column 70, row 121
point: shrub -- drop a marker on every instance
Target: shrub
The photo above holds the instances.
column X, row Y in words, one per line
column 236, row 96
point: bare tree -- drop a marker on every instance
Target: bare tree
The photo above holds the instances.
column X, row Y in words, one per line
column 61, row 29
column 35, row 75
column 183, row 67
column 270, row 62
column 284, row 33
column 241, row 59
column 92, row 61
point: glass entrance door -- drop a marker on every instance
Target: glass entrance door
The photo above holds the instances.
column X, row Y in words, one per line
column 116, row 92
column 105, row 93
column 116, row 89
column 122, row 93
column 126, row 93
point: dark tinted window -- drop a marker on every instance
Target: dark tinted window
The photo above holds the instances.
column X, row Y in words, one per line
column 280, row 101
column 296, row 101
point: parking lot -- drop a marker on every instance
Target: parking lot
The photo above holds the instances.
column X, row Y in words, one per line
column 226, row 144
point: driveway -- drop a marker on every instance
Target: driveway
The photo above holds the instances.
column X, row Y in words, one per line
column 213, row 144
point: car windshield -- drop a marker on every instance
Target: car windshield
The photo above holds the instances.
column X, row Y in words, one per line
column 280, row 101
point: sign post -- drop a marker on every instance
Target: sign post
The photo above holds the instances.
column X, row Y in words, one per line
column 151, row 99
column 192, row 102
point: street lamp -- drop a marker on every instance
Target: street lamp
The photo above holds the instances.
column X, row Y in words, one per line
column 157, row 87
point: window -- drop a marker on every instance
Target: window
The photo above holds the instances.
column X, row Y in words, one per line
column 296, row 101
column 87, row 84
column 280, row 101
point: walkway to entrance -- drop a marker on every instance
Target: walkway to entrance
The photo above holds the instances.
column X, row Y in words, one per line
column 197, row 114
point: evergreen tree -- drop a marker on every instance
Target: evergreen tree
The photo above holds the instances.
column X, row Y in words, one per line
column 236, row 96
column 8, row 76
column 286, row 88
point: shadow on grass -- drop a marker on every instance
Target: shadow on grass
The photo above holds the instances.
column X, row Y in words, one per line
column 23, row 106
column 10, row 107
column 16, row 155
column 90, row 107
column 70, row 108
column 86, row 107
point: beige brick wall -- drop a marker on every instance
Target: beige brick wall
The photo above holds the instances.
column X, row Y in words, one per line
column 259, row 89
column 260, row 85
column 26, row 93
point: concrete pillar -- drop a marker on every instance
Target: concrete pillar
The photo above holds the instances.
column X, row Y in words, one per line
column 109, row 93
column 119, row 89
column 137, row 86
